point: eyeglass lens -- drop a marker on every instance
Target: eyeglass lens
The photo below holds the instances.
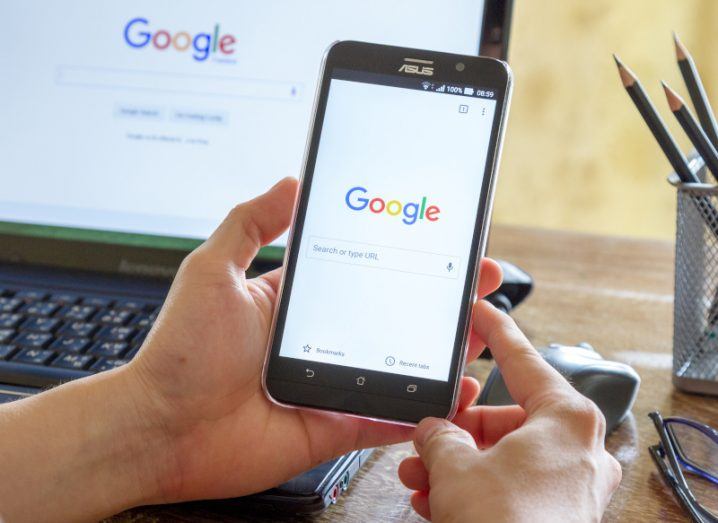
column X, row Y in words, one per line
column 698, row 448
column 702, row 453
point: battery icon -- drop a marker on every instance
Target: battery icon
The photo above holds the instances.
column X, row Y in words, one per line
column 469, row 91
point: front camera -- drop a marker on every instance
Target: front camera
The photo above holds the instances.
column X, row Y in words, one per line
column 460, row 66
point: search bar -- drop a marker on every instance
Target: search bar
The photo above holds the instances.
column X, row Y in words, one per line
column 203, row 85
column 383, row 257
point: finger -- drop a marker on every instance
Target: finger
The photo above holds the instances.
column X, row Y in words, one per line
column 470, row 389
column 530, row 380
column 413, row 474
column 339, row 434
column 488, row 424
column 440, row 441
column 420, row 503
column 476, row 344
column 379, row 433
column 476, row 347
column 255, row 223
column 272, row 278
column 490, row 279
column 490, row 276
column 613, row 475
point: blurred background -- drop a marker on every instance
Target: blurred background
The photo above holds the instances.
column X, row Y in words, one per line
column 578, row 155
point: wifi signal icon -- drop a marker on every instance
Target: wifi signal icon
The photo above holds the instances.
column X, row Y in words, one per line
column 426, row 85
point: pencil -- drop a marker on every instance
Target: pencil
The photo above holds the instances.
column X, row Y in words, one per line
column 693, row 129
column 655, row 123
column 693, row 82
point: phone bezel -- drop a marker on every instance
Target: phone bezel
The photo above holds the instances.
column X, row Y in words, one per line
column 386, row 399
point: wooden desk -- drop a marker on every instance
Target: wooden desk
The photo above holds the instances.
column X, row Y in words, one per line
column 614, row 293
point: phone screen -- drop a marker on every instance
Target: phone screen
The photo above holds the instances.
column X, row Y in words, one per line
column 385, row 244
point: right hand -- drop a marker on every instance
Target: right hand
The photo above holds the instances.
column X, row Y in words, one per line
column 541, row 460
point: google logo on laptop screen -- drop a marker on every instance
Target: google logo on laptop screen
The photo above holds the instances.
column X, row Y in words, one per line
column 138, row 34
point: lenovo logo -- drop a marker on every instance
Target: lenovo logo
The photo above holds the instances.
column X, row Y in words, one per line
column 145, row 269
column 416, row 66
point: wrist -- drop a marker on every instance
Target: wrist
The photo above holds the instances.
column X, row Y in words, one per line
column 142, row 445
column 89, row 449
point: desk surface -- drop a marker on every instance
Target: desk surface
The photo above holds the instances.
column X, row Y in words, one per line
column 616, row 294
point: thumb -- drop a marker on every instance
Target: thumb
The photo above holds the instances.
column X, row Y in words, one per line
column 438, row 441
column 255, row 223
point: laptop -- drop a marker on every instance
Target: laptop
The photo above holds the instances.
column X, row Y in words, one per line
column 129, row 129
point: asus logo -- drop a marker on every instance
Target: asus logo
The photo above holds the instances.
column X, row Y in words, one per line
column 412, row 68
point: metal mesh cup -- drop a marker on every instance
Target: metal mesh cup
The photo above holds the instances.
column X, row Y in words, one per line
column 695, row 312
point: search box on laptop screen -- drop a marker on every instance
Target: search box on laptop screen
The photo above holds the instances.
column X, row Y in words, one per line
column 155, row 119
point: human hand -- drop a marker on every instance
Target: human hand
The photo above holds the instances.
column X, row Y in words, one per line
column 541, row 460
column 187, row 418
column 202, row 363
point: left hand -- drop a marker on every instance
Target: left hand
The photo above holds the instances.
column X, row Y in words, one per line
column 202, row 367
column 187, row 418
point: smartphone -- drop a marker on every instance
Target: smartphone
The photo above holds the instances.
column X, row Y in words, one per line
column 382, row 260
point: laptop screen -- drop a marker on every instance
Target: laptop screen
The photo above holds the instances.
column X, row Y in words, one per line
column 143, row 123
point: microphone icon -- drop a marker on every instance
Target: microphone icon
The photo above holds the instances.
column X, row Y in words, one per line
column 450, row 267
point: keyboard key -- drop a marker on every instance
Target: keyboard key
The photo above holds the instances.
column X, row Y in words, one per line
column 31, row 295
column 132, row 353
column 76, row 312
column 105, row 364
column 34, row 356
column 9, row 321
column 111, row 349
column 114, row 317
column 100, row 303
column 64, row 298
column 40, row 324
column 133, row 305
column 140, row 338
column 116, row 333
column 9, row 304
column 34, row 340
column 6, row 334
column 72, row 361
column 142, row 321
column 7, row 350
column 70, row 344
column 40, row 308
column 78, row 329
column 153, row 309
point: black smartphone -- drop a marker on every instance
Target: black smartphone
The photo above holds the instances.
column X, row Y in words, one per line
column 390, row 224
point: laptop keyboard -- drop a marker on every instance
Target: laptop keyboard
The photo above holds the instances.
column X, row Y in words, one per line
column 47, row 338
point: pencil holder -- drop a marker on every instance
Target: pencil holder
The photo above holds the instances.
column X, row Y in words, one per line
column 695, row 312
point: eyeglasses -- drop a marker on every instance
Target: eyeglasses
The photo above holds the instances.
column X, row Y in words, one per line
column 693, row 447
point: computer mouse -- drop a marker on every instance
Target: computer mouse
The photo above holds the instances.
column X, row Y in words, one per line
column 612, row 386
column 515, row 287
